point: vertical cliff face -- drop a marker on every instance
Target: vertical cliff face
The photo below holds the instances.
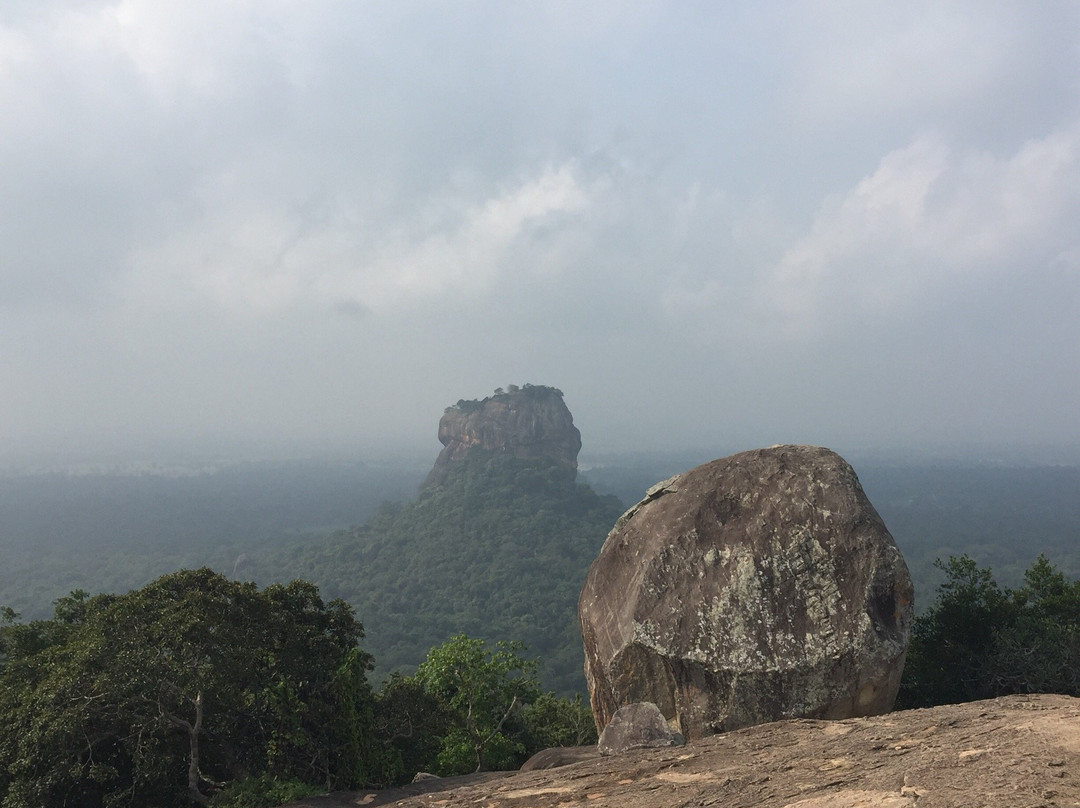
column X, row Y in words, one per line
column 527, row 422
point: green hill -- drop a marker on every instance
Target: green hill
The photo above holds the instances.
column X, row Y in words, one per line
column 499, row 551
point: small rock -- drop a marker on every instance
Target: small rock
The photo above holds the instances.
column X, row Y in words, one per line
column 637, row 726
column 558, row 756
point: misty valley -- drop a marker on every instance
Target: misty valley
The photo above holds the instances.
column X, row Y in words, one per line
column 271, row 630
column 112, row 530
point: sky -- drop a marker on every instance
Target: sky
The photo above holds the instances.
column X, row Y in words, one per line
column 233, row 226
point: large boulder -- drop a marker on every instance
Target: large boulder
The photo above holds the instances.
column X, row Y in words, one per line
column 754, row 588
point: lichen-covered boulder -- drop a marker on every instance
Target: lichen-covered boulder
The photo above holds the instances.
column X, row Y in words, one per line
column 754, row 588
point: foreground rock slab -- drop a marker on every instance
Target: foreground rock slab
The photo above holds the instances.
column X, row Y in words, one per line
column 753, row 588
column 1014, row 752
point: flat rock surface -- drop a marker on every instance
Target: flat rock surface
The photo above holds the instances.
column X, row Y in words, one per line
column 1013, row 752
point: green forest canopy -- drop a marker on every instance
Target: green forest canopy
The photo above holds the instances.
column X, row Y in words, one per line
column 498, row 551
column 980, row 640
column 195, row 689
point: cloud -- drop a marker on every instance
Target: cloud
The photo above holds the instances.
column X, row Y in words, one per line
column 467, row 257
column 880, row 59
column 261, row 256
column 219, row 215
column 928, row 226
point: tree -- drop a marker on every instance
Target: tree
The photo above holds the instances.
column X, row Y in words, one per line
column 557, row 721
column 482, row 690
column 952, row 639
column 1039, row 650
column 981, row 641
column 414, row 723
column 428, row 733
column 167, row 694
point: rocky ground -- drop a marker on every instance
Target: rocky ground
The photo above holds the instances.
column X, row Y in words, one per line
column 1015, row 752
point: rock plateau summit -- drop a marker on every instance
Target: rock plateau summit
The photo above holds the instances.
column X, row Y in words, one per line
column 528, row 422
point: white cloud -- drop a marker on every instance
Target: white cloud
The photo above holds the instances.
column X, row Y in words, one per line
column 468, row 257
column 883, row 58
column 926, row 225
column 258, row 256
column 193, row 47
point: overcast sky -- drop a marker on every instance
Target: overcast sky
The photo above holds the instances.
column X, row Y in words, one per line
column 301, row 225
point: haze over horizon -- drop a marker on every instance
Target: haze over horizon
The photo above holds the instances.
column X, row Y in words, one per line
column 231, row 227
